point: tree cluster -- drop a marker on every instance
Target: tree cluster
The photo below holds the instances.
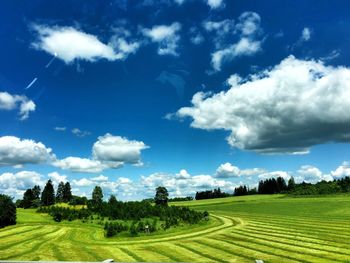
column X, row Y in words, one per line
column 209, row 194
column 337, row 186
column 272, row 186
column 244, row 190
column 33, row 197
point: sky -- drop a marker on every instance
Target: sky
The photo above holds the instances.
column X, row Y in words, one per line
column 187, row 94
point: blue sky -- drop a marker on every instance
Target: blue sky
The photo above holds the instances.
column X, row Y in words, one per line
column 190, row 94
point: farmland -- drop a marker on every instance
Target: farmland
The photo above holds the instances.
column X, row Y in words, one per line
column 275, row 228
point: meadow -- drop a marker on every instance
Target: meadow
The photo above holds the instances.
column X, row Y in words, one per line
column 274, row 228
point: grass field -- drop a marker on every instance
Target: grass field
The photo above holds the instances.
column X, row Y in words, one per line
column 274, row 228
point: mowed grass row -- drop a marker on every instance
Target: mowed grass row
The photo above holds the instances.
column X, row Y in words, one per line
column 273, row 228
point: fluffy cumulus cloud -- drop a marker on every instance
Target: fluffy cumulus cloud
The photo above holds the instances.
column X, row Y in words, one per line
column 80, row 165
column 117, row 149
column 122, row 186
column 247, row 29
column 311, row 174
column 227, row 170
column 280, row 110
column 56, row 178
column 342, row 171
column 17, row 102
column 166, row 36
column 14, row 184
column 182, row 183
column 108, row 152
column 16, row 151
column 69, row 44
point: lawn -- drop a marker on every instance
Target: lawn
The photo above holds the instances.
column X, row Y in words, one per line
column 275, row 228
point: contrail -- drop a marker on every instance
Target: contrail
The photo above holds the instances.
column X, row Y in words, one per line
column 31, row 83
column 53, row 58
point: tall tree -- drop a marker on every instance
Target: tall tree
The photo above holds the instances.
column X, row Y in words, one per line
column 36, row 191
column 291, row 183
column 67, row 193
column 162, row 195
column 28, row 198
column 60, row 191
column 7, row 211
column 97, row 198
column 48, row 194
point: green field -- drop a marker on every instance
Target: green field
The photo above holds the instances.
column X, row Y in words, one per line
column 274, row 228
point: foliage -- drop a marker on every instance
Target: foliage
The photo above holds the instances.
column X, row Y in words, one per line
column 78, row 200
column 65, row 213
column 31, row 198
column 7, row 211
column 161, row 197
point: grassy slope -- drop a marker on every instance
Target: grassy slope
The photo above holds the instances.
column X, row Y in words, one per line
column 274, row 228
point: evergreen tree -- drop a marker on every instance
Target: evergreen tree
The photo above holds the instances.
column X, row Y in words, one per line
column 28, row 198
column 36, row 192
column 60, row 191
column 161, row 197
column 291, row 184
column 67, row 192
column 48, row 194
column 7, row 211
column 97, row 198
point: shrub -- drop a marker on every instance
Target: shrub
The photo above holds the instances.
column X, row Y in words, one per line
column 7, row 211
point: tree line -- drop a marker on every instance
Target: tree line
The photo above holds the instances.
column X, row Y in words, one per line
column 279, row 185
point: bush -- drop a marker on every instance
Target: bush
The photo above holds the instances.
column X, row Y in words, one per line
column 7, row 211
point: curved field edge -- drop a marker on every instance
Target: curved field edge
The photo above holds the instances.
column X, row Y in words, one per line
column 275, row 228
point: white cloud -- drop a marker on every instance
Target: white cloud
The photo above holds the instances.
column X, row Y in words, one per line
column 108, row 152
column 117, row 149
column 69, row 44
column 341, row 171
column 182, row 183
column 167, row 38
column 20, row 102
column 60, row 129
column 228, row 170
column 248, row 29
column 16, row 151
column 306, row 34
column 222, row 30
column 245, row 47
column 311, row 174
column 56, row 178
column 80, row 165
column 100, row 178
column 82, row 182
column 249, row 24
column 79, row 133
column 285, row 175
column 214, row 4
column 280, row 110
column 14, row 184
